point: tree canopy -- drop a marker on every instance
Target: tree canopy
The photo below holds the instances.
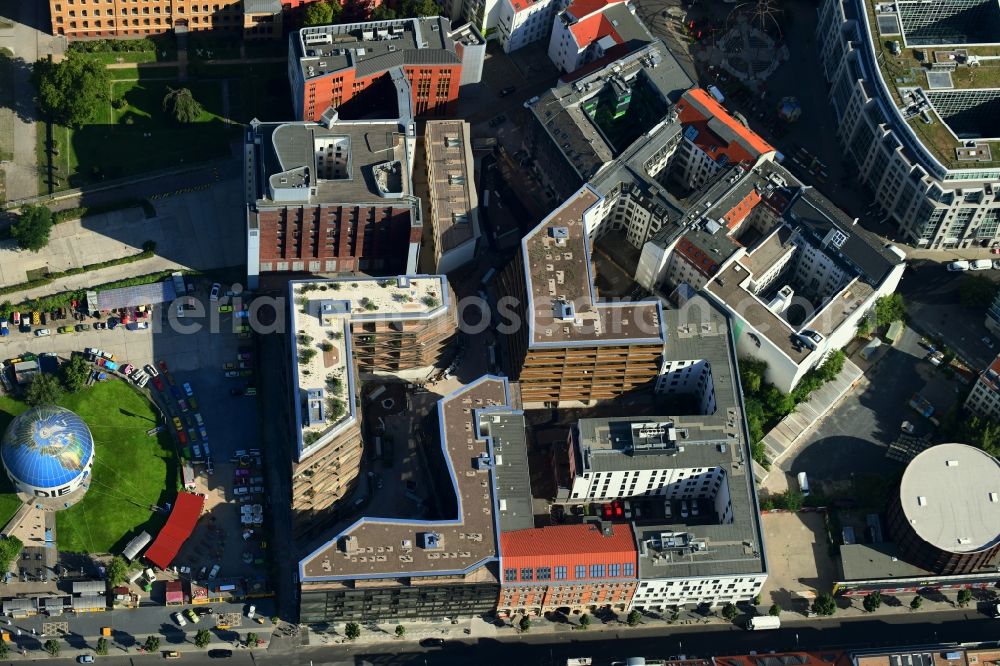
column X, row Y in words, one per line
column 32, row 229
column 10, row 550
column 824, row 604
column 181, row 105
column 888, row 309
column 321, row 13
column 71, row 92
column 44, row 389
column 117, row 570
column 75, row 373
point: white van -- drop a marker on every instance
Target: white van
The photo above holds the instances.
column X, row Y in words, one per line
column 804, row 484
column 981, row 265
column 957, row 266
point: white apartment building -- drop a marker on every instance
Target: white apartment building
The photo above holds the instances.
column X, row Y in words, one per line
column 484, row 14
column 522, row 22
column 927, row 143
column 984, row 399
column 589, row 29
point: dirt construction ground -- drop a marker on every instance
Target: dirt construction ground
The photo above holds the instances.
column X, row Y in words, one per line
column 797, row 557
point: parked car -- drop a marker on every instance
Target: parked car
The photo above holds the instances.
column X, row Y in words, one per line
column 225, row 308
column 216, row 288
column 16, row 318
column 82, row 327
column 232, row 373
column 158, row 383
column 220, row 654
column 182, row 404
column 127, row 369
column 42, row 332
column 66, row 329
column 100, row 326
column 214, row 572
column 432, row 642
column 178, row 424
column 191, row 615
column 981, row 265
column 957, row 266
column 188, row 389
column 171, row 654
column 986, row 341
column 151, row 371
column 229, row 366
column 507, row 91
column 179, row 619
column 85, row 659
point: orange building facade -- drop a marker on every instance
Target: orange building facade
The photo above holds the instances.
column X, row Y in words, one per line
column 568, row 567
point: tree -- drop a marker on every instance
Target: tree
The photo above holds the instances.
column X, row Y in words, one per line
column 872, row 601
column 10, row 550
column 977, row 291
column 964, row 597
column 4, row 649
column 181, row 105
column 383, row 13
column 418, row 8
column 634, row 618
column 117, row 571
column 792, row 499
column 888, row 309
column 824, row 605
column 71, row 92
column 321, row 13
column 916, row 602
column 75, row 373
column 865, row 326
column 584, row 620
column 44, row 389
column 52, row 647
column 756, row 599
column 352, row 630
column 774, row 610
column 32, row 229
column 202, row 638
column 524, row 624
column 102, row 647
column 400, row 631
column 832, row 366
column 252, row 639
column 729, row 611
column 152, row 644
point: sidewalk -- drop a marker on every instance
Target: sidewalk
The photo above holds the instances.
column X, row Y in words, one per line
column 471, row 630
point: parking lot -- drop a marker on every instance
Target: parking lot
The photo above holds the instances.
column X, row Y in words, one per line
column 192, row 387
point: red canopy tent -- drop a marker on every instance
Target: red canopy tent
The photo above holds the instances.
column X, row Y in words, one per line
column 180, row 524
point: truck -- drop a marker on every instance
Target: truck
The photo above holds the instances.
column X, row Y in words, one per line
column 763, row 622
column 4, row 328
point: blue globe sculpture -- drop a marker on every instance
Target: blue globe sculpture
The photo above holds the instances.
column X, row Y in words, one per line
column 47, row 451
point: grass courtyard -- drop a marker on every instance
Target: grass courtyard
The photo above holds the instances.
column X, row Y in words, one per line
column 132, row 471
column 138, row 136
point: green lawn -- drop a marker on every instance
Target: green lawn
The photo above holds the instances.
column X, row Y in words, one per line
column 131, row 470
column 139, row 137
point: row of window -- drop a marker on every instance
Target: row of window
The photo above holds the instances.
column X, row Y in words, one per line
column 581, row 572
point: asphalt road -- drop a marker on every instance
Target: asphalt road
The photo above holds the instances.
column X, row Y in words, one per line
column 553, row 650
column 932, row 301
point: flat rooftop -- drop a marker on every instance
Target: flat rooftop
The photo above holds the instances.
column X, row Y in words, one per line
column 563, row 305
column 513, row 480
column 950, row 494
column 453, row 200
column 731, row 286
column 374, row 46
column 719, row 440
column 971, row 68
column 561, row 111
column 346, row 162
column 322, row 312
column 382, row 548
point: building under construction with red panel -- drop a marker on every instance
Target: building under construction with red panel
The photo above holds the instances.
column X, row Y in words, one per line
column 183, row 517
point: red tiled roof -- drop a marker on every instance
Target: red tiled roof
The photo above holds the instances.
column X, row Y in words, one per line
column 695, row 256
column 739, row 212
column 696, row 108
column 567, row 545
column 582, row 8
column 826, row 658
column 593, row 28
column 521, row 5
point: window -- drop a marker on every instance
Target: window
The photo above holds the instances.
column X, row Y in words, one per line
column 614, row 570
column 581, row 571
column 527, row 574
column 629, row 570
column 560, row 573
column 597, row 571
column 510, row 574
column 544, row 573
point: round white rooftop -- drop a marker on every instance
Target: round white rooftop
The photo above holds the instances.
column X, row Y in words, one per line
column 950, row 495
